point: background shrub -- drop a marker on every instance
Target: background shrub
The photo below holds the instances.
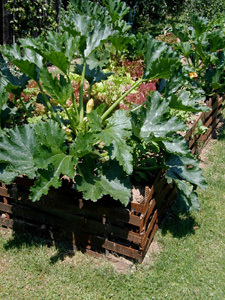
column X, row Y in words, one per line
column 31, row 17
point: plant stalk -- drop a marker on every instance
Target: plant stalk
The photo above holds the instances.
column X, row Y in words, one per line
column 114, row 105
column 73, row 99
column 89, row 92
column 81, row 105
column 73, row 126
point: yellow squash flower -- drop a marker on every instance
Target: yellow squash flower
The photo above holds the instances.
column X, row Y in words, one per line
column 193, row 75
column 89, row 106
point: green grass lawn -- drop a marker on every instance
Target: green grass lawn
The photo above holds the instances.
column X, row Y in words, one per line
column 188, row 263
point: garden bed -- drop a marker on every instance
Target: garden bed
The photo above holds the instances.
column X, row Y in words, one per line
column 105, row 225
column 210, row 120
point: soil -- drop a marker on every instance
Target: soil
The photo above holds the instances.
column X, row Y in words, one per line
column 138, row 194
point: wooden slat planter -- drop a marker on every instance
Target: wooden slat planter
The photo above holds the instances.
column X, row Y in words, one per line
column 105, row 225
column 210, row 119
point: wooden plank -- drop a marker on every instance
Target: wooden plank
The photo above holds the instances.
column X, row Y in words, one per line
column 155, row 203
column 215, row 105
column 149, row 240
column 82, row 224
column 150, row 227
column 94, row 242
column 4, row 192
column 120, row 249
column 192, row 129
column 88, row 209
column 89, row 241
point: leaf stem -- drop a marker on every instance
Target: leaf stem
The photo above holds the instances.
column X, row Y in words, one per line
column 81, row 105
column 73, row 99
column 73, row 126
column 89, row 92
column 114, row 105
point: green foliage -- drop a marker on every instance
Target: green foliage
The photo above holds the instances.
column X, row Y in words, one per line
column 209, row 9
column 97, row 148
column 203, row 49
column 154, row 124
column 31, row 17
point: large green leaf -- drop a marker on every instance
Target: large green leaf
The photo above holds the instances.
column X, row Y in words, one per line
column 3, row 96
column 157, row 123
column 98, row 59
column 120, row 42
column 92, row 32
column 181, row 33
column 37, row 151
column 159, row 59
column 13, row 84
column 114, row 135
column 91, row 9
column 18, row 150
column 95, row 121
column 200, row 24
column 61, row 164
column 176, row 145
column 186, row 102
column 184, row 171
column 185, row 168
column 216, row 40
column 58, row 49
column 54, row 151
column 83, row 144
column 187, row 197
column 214, row 78
column 54, row 159
column 27, row 60
column 99, row 34
column 108, row 179
column 59, row 89
column 117, row 9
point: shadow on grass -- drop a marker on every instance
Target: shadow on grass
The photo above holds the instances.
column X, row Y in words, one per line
column 31, row 239
column 179, row 225
column 220, row 133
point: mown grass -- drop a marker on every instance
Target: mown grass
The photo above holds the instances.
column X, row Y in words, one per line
column 190, row 262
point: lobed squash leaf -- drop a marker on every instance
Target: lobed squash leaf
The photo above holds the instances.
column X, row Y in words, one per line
column 156, row 122
column 108, row 179
column 114, row 135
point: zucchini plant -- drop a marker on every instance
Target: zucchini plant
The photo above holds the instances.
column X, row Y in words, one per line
column 98, row 148
column 204, row 50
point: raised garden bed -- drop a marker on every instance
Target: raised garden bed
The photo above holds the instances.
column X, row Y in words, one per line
column 104, row 225
column 210, row 120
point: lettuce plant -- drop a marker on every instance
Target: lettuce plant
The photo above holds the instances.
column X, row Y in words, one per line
column 95, row 147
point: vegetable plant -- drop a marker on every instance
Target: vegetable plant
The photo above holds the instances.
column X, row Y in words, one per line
column 100, row 149
column 203, row 49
